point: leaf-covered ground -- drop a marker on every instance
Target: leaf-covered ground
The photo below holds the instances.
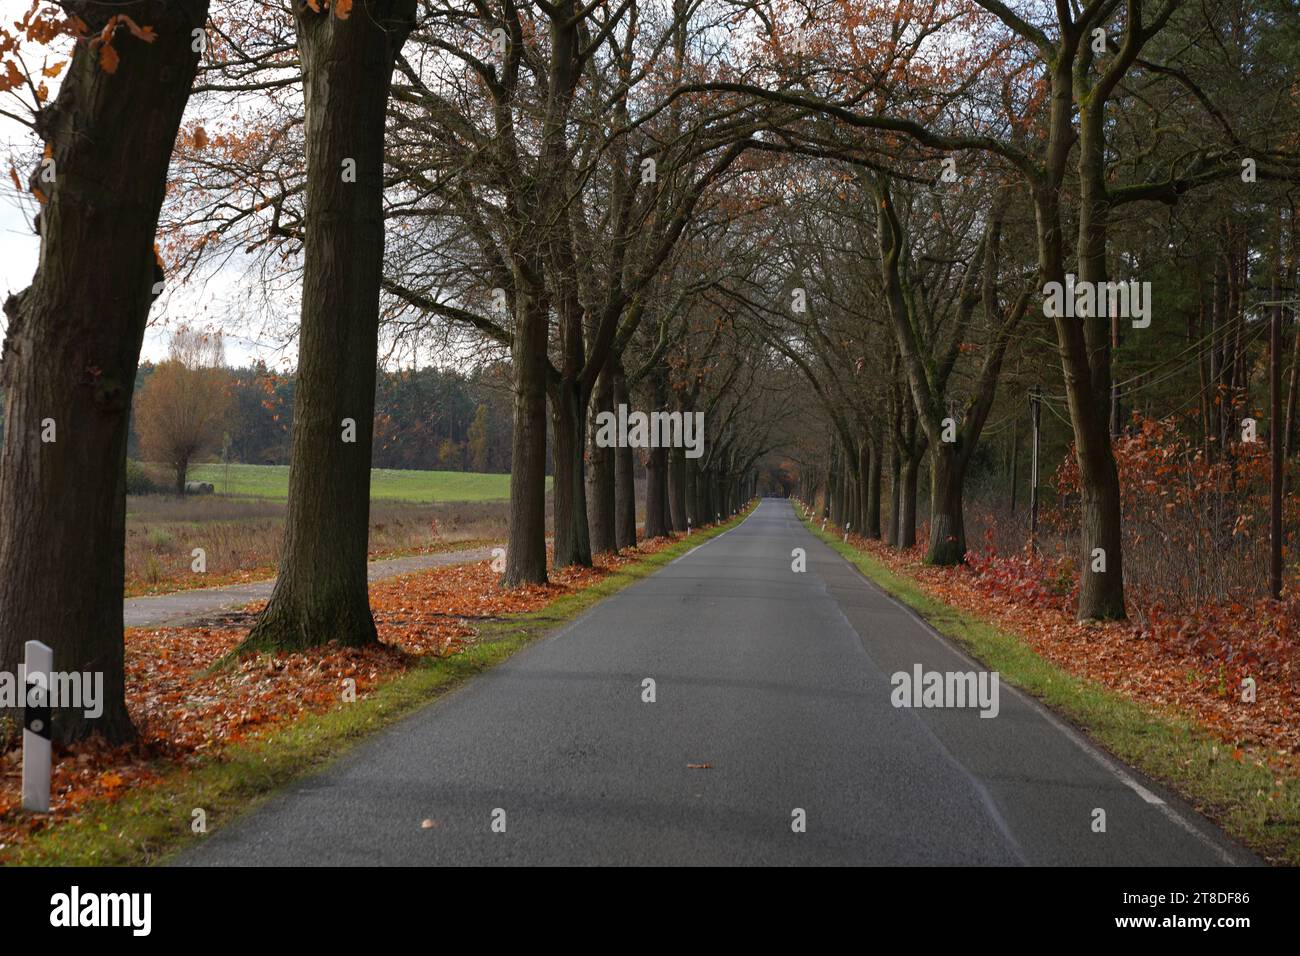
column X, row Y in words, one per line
column 187, row 710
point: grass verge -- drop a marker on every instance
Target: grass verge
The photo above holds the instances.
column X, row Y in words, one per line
column 1245, row 797
column 148, row 825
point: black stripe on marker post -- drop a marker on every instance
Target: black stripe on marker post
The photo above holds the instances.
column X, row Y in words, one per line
column 37, row 718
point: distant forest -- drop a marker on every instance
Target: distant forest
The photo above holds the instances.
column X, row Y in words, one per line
column 430, row 418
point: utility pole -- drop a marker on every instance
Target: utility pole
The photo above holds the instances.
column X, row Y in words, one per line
column 1035, row 412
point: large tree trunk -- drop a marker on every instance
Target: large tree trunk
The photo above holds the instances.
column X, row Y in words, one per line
column 1101, row 591
column 873, row 493
column 72, row 347
column 699, row 479
column 624, row 476
column 1086, row 358
column 526, row 549
column 836, row 487
column 850, row 491
column 832, row 489
column 907, row 519
column 864, row 487
column 947, row 523
column 568, row 418
column 706, row 483
column 601, row 505
column 828, row 485
column 692, row 473
column 656, row 493
column 845, row 515
column 321, row 593
column 896, row 496
column 656, row 471
column 625, row 498
column 677, row 488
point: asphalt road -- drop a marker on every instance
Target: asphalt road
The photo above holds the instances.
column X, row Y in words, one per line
column 772, row 695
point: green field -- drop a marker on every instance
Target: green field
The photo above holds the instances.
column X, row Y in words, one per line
column 272, row 481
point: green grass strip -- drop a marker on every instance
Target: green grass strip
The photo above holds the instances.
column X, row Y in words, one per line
column 146, row 825
column 1244, row 797
column 386, row 484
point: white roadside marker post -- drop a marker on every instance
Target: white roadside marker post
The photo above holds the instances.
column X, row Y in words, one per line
column 36, row 729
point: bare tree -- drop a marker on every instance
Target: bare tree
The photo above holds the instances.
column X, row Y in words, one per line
column 322, row 592
column 183, row 408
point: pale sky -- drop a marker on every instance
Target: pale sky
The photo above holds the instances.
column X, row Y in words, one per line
column 20, row 247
